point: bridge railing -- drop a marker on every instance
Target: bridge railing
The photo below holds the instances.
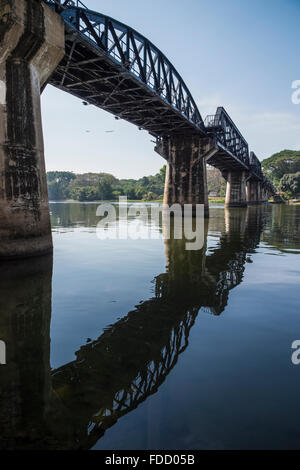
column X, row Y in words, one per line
column 210, row 121
column 63, row 4
column 134, row 52
column 226, row 133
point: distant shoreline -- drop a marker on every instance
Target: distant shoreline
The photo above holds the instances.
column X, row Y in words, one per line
column 158, row 201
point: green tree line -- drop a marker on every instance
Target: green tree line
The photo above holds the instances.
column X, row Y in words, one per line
column 283, row 169
column 64, row 185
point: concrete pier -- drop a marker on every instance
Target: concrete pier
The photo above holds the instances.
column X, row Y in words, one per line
column 253, row 192
column 264, row 194
column 186, row 181
column 236, row 189
column 31, row 47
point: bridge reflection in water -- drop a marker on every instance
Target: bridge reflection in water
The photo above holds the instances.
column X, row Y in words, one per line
column 72, row 407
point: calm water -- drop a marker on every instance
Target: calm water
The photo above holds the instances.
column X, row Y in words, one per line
column 140, row 344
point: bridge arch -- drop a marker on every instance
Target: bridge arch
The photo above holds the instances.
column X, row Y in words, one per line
column 112, row 66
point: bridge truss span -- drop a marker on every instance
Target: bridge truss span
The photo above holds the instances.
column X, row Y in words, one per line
column 233, row 148
column 255, row 166
column 112, row 66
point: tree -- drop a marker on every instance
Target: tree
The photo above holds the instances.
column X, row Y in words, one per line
column 64, row 177
column 280, row 164
column 130, row 192
column 290, row 184
column 87, row 193
column 105, row 190
column 92, row 179
column 150, row 197
column 215, row 181
column 116, row 194
column 55, row 191
column 162, row 173
column 62, row 185
column 139, row 192
column 144, row 181
column 58, row 184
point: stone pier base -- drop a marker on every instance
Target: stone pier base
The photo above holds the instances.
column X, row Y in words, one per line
column 31, row 47
column 236, row 189
column 253, row 192
column 256, row 192
column 186, row 170
column 264, row 195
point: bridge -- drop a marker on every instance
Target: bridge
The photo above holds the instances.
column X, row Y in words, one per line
column 75, row 404
column 107, row 64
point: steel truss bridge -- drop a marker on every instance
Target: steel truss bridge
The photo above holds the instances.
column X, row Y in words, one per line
column 112, row 66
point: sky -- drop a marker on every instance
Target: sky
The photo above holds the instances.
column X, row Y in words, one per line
column 240, row 54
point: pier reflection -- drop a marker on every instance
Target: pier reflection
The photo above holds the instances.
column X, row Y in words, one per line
column 25, row 380
column 72, row 407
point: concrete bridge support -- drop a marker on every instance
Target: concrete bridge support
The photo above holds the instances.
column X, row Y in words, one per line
column 31, row 47
column 236, row 189
column 186, row 181
column 264, row 194
column 253, row 192
column 256, row 192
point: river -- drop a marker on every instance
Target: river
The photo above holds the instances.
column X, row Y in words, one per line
column 141, row 344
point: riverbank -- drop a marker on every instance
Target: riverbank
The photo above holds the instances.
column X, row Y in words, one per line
column 218, row 200
column 293, row 201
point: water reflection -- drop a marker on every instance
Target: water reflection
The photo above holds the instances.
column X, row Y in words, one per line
column 25, row 381
column 72, row 407
column 283, row 230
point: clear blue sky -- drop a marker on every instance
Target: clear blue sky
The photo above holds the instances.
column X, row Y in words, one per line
column 240, row 54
